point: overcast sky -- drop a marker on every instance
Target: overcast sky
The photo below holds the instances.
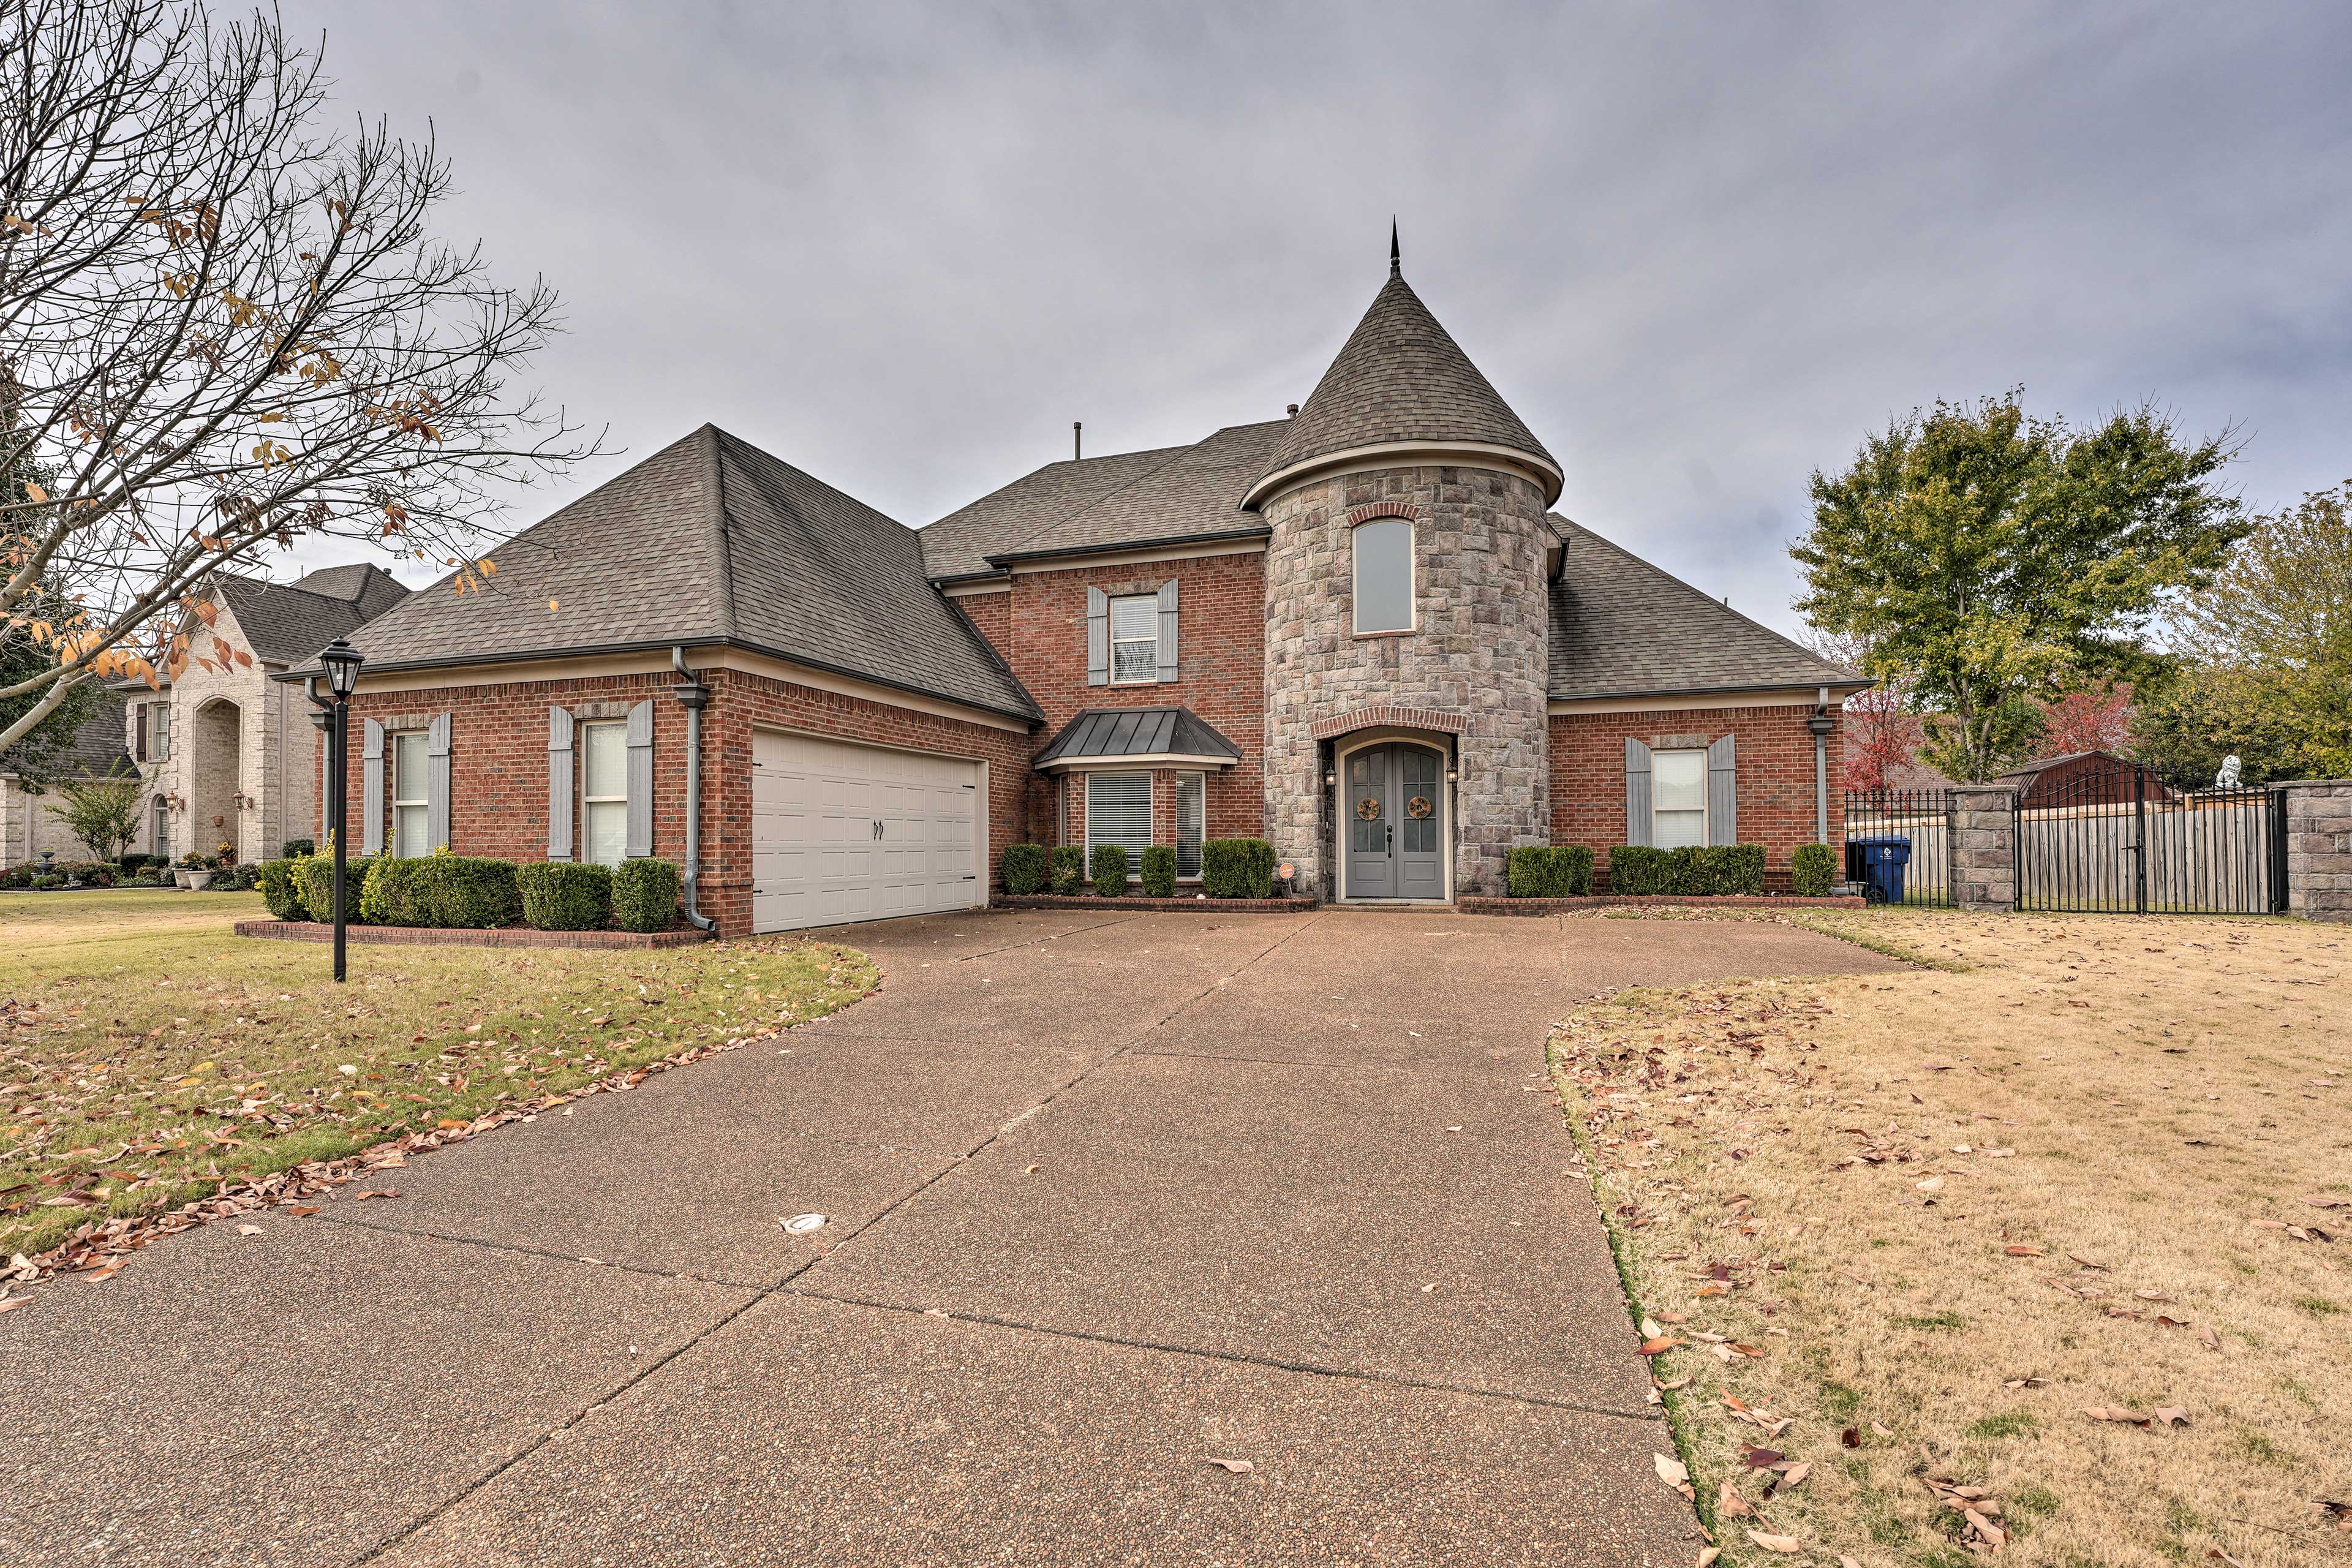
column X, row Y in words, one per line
column 1701, row 250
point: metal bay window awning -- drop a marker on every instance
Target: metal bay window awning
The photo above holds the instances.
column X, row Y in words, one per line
column 1138, row 737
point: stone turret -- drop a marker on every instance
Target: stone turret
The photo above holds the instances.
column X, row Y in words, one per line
column 1403, row 426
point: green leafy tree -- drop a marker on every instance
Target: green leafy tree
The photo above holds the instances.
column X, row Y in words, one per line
column 1992, row 561
column 102, row 812
column 2268, row 649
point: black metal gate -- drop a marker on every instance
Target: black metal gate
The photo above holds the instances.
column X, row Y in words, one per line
column 1922, row 820
column 2098, row 834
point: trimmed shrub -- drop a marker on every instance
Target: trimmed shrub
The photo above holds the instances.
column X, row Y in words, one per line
column 1637, row 870
column 1159, row 871
column 1533, row 873
column 1571, row 871
column 560, row 896
column 1026, row 867
column 383, row 891
column 295, row 848
column 1238, row 869
column 278, row 891
column 132, row 862
column 314, row 881
column 1736, row 871
column 1067, row 869
column 1109, row 870
column 1812, row 870
column 1686, row 872
column 645, row 894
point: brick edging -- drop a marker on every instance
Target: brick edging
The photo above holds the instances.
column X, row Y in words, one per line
column 1185, row 906
column 458, row 936
column 1475, row 906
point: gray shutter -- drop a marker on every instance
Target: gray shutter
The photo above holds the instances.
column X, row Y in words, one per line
column 1637, row 792
column 1167, row 655
column 1097, row 637
column 1722, row 793
column 560, row 774
column 641, row 780
column 436, row 782
column 370, row 787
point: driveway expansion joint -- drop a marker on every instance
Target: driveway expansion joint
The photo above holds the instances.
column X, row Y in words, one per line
column 1243, row 1358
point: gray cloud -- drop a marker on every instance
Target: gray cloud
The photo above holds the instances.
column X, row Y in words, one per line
column 1701, row 250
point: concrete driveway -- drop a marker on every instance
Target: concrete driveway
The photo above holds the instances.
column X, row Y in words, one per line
column 1108, row 1197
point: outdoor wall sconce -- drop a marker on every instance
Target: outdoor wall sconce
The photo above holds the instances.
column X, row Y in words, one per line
column 1454, row 775
column 1330, row 779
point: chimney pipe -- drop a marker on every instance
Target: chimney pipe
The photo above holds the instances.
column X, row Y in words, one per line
column 1291, row 409
column 1077, row 445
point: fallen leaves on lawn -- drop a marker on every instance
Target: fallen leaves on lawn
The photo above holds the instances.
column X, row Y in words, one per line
column 1238, row 1466
column 1675, row 1473
column 1978, row 1510
column 2114, row 1412
column 1774, row 1542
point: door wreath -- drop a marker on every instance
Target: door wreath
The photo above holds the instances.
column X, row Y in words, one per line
column 1368, row 809
column 1418, row 806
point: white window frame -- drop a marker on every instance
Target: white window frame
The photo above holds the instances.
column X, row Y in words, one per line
column 1134, row 851
column 422, row 805
column 1657, row 811
column 158, row 731
column 1149, row 641
column 1199, row 782
column 1411, row 576
column 589, row 802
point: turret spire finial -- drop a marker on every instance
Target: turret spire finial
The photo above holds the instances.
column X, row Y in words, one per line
column 1396, row 255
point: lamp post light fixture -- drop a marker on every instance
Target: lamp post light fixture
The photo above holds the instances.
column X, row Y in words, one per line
column 343, row 663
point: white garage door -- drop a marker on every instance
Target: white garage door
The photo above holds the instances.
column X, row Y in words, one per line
column 856, row 832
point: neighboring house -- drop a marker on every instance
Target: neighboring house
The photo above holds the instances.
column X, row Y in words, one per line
column 227, row 752
column 2082, row 778
column 1358, row 631
column 27, row 826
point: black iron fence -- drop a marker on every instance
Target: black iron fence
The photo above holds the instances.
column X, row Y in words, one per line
column 2100, row 833
column 1917, row 825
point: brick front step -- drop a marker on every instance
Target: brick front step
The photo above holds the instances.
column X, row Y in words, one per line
column 1611, row 901
column 1186, row 906
column 455, row 936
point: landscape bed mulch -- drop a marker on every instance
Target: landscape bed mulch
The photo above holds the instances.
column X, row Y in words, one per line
column 98, row 1250
column 464, row 936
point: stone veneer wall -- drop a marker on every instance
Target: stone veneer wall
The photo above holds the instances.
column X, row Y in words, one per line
column 1984, row 848
column 2319, row 850
column 1481, row 652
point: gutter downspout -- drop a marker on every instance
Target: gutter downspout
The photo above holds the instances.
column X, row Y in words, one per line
column 693, row 696
column 1821, row 724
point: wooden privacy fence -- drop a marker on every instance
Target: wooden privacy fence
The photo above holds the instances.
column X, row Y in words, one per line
column 2130, row 845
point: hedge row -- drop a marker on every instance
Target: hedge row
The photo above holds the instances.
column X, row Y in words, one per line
column 1230, row 868
column 1813, row 871
column 1562, row 871
column 475, row 891
column 1693, row 871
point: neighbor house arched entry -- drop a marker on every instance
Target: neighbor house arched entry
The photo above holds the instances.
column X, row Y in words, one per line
column 215, row 779
column 1393, row 830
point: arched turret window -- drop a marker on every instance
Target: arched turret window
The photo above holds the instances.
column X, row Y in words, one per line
column 1384, row 575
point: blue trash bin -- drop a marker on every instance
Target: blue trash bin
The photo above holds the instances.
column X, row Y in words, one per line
column 1882, row 860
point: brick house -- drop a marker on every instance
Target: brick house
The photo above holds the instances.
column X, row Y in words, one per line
column 1359, row 632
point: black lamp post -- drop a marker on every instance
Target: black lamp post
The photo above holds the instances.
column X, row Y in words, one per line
column 343, row 663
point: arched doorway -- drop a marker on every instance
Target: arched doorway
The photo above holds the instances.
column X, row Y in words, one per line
column 216, row 784
column 1395, row 826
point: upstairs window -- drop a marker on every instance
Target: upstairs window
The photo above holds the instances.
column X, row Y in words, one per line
column 1134, row 639
column 1384, row 575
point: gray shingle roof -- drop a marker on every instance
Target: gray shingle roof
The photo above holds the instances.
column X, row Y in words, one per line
column 95, row 749
column 1620, row 627
column 711, row 540
column 1401, row 378
column 1189, row 495
column 960, row 544
column 1105, row 732
column 286, row 623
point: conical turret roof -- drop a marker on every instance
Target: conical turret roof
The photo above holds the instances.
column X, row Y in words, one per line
column 1402, row 380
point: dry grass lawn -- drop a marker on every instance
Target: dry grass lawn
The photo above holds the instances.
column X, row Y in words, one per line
column 147, row 1056
column 2108, row 1166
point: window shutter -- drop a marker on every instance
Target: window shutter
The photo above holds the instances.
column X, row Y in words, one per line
column 1097, row 637
column 641, row 780
column 436, row 782
column 1722, row 795
column 370, row 787
column 1167, row 659
column 560, row 774
column 1637, row 792
column 141, row 751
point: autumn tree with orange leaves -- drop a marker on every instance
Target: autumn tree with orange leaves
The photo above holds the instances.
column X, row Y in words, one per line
column 224, row 329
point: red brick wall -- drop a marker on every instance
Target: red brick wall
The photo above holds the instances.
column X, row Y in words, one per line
column 1775, row 754
column 497, row 763
column 1041, row 630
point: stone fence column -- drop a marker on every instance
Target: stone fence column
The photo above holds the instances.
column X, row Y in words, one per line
column 1984, row 848
column 2319, row 848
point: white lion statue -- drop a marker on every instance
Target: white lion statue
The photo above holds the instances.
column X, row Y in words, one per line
column 2228, row 777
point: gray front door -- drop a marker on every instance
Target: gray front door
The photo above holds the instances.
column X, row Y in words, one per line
column 1394, row 799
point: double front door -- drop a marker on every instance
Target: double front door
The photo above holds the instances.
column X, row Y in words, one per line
column 1393, row 797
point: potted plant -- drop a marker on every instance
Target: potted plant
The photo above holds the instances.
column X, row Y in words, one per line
column 200, row 874
column 225, row 857
column 186, row 866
